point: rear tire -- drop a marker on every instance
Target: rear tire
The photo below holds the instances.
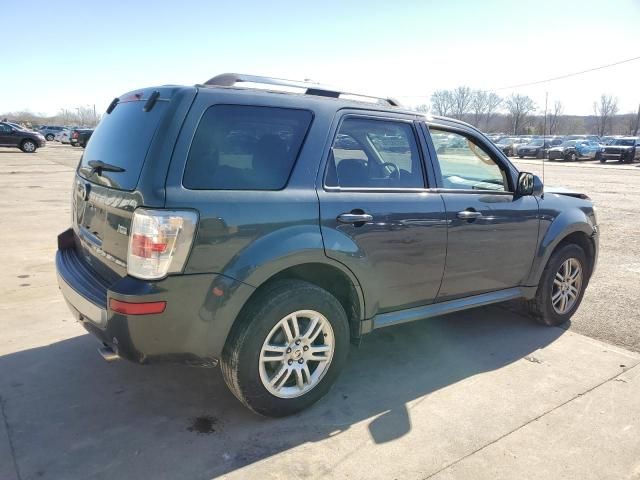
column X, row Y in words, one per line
column 259, row 333
column 50, row 137
column 547, row 306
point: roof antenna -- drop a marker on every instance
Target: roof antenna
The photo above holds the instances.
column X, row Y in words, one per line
column 544, row 131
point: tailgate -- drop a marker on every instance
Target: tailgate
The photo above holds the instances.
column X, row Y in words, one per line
column 106, row 187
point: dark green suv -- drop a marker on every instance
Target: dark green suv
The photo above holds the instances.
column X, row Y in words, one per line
column 265, row 224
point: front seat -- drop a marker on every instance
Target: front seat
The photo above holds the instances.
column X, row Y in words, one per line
column 353, row 173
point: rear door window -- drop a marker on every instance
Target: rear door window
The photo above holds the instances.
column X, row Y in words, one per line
column 239, row 147
column 121, row 140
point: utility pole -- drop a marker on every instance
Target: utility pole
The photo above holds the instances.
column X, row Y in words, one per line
column 637, row 127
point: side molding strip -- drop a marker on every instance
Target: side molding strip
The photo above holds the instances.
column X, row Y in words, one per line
column 436, row 309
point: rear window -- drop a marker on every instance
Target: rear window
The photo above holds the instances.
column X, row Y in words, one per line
column 122, row 139
column 239, row 147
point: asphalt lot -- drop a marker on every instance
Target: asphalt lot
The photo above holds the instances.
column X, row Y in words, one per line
column 611, row 307
column 479, row 394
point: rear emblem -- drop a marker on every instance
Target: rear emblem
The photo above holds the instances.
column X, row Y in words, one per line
column 122, row 230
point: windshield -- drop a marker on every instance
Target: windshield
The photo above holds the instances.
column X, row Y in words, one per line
column 629, row 142
column 535, row 143
column 569, row 143
column 505, row 141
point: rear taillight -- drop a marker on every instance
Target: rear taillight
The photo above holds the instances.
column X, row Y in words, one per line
column 159, row 242
column 74, row 134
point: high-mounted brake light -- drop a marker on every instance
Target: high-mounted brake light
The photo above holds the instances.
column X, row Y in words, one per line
column 160, row 242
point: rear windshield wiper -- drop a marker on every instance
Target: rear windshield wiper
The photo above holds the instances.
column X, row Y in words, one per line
column 98, row 166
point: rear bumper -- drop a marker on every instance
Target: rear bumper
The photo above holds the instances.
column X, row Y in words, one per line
column 192, row 330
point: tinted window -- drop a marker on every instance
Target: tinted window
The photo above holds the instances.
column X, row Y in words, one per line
column 122, row 139
column 245, row 148
column 467, row 166
column 5, row 128
column 370, row 153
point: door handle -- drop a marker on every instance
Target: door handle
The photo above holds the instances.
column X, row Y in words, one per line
column 469, row 215
column 354, row 218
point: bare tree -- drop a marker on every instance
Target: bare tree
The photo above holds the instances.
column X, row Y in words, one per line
column 519, row 107
column 442, row 102
column 478, row 106
column 424, row 108
column 605, row 109
column 461, row 100
column 493, row 102
column 555, row 117
column 86, row 116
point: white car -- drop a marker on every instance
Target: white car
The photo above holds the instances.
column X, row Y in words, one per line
column 64, row 135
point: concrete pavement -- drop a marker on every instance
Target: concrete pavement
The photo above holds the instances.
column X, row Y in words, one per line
column 479, row 394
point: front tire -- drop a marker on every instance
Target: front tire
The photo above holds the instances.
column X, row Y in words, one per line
column 28, row 146
column 50, row 137
column 561, row 286
column 286, row 349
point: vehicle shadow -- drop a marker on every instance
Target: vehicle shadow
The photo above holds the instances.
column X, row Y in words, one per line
column 71, row 415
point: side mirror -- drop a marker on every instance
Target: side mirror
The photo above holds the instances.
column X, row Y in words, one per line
column 529, row 184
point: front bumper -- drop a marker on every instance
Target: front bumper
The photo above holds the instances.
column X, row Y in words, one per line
column 614, row 156
column 192, row 330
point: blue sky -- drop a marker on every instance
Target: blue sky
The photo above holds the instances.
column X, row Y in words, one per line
column 77, row 53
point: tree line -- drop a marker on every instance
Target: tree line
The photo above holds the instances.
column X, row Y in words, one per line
column 518, row 114
column 85, row 116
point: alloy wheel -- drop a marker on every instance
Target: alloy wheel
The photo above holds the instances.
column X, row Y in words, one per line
column 567, row 285
column 296, row 354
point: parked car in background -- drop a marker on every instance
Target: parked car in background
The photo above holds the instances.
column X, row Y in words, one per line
column 506, row 144
column 626, row 149
column 272, row 258
column 80, row 137
column 571, row 150
column 50, row 131
column 536, row 148
column 25, row 140
column 520, row 142
column 64, row 135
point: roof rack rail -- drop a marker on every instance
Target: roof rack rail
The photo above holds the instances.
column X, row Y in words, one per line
column 231, row 79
